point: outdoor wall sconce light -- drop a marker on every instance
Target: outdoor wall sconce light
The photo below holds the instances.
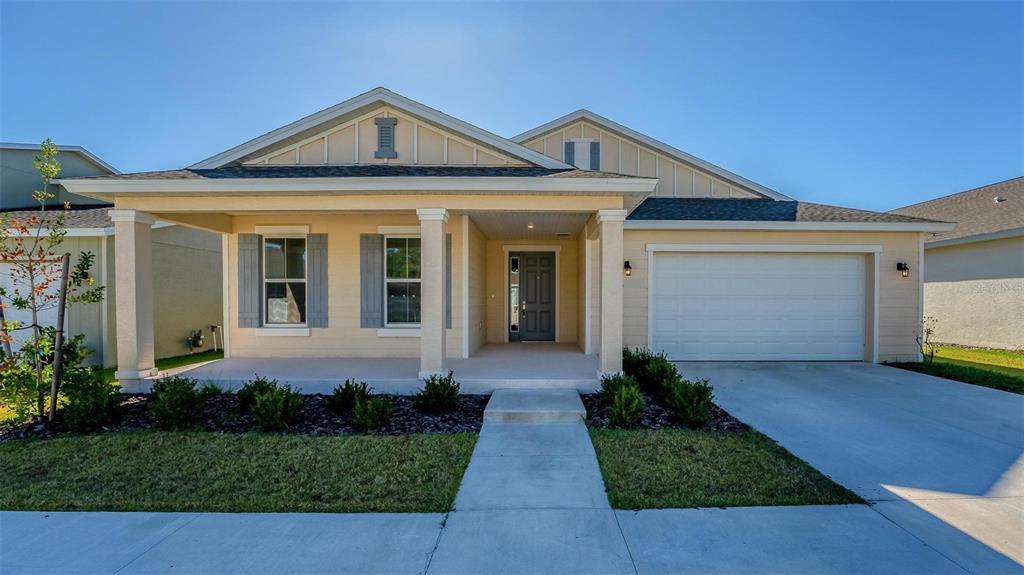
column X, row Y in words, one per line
column 627, row 269
column 903, row 268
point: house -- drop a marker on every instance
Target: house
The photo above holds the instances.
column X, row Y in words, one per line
column 974, row 274
column 185, row 263
column 382, row 228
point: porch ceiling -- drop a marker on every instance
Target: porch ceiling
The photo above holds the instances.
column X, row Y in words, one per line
column 530, row 225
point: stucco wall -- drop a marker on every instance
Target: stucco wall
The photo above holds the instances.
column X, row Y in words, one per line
column 976, row 292
column 898, row 296
column 344, row 337
column 477, row 287
column 497, row 322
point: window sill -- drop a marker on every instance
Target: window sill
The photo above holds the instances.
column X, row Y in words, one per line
column 398, row 332
column 282, row 332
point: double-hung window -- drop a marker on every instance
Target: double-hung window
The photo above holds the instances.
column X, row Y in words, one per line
column 284, row 280
column 402, row 281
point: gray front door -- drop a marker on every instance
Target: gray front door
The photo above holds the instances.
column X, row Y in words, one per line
column 536, row 295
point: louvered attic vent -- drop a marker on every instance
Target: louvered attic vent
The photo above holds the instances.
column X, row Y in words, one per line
column 385, row 138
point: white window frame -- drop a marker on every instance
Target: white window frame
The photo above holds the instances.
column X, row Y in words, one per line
column 282, row 235
column 419, row 280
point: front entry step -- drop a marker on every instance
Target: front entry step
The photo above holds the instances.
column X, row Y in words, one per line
column 535, row 406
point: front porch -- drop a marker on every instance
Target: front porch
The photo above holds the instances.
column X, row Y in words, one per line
column 494, row 366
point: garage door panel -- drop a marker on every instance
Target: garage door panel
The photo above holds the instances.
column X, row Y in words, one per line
column 758, row 306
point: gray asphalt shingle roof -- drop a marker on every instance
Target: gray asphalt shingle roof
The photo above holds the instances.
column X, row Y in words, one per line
column 755, row 210
column 83, row 218
column 975, row 211
column 359, row 171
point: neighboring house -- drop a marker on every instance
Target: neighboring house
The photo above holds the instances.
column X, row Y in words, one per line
column 185, row 262
column 974, row 274
column 381, row 227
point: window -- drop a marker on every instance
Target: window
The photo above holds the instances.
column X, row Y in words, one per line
column 402, row 280
column 284, row 281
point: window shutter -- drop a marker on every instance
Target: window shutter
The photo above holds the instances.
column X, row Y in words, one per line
column 385, row 138
column 448, row 281
column 595, row 155
column 316, row 280
column 250, row 290
column 371, row 280
column 570, row 153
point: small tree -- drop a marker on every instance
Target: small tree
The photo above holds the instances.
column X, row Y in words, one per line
column 31, row 248
column 924, row 339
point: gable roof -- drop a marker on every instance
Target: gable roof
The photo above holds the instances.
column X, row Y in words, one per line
column 976, row 212
column 359, row 171
column 89, row 156
column 377, row 96
column 681, row 156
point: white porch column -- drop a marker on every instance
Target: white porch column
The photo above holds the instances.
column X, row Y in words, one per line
column 432, row 300
column 610, row 224
column 133, row 283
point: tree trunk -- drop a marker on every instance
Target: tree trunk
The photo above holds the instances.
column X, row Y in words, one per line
column 5, row 336
column 58, row 343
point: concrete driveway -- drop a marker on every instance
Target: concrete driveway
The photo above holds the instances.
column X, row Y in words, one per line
column 941, row 459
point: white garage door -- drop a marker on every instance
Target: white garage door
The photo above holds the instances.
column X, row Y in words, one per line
column 758, row 306
column 47, row 317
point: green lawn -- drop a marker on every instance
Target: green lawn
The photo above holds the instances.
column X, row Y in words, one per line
column 172, row 362
column 682, row 468
column 995, row 368
column 146, row 471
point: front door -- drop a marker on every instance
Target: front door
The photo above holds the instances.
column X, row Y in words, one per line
column 534, row 296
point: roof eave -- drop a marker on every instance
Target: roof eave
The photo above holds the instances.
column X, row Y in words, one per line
column 792, row 226
column 1000, row 235
column 694, row 161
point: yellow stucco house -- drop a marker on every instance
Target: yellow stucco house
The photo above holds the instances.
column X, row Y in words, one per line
column 388, row 235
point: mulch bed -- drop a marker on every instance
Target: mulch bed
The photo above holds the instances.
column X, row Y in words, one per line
column 657, row 417
column 221, row 415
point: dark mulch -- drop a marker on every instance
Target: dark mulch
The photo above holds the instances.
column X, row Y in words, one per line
column 657, row 417
column 222, row 415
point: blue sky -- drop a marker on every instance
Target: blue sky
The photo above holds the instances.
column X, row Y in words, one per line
column 872, row 105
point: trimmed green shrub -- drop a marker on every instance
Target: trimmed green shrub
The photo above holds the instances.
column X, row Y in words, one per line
column 276, row 408
column 247, row 395
column 611, row 384
column 626, row 407
column 439, row 394
column 655, row 373
column 689, row 401
column 211, row 388
column 371, row 413
column 634, row 360
column 175, row 404
column 345, row 396
column 91, row 402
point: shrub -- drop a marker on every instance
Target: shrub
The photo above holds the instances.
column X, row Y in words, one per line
column 91, row 402
column 439, row 394
column 211, row 388
column 247, row 395
column 346, row 396
column 689, row 401
column 655, row 373
column 276, row 408
column 371, row 413
column 611, row 383
column 176, row 404
column 634, row 360
column 627, row 406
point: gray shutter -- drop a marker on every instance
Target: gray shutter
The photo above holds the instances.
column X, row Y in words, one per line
column 250, row 290
column 385, row 138
column 570, row 153
column 316, row 280
column 371, row 280
column 448, row 281
column 595, row 155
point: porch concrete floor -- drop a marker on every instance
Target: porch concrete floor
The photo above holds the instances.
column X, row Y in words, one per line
column 495, row 366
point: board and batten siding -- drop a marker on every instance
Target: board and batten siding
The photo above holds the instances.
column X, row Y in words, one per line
column 898, row 296
column 343, row 336
column 416, row 142
column 622, row 155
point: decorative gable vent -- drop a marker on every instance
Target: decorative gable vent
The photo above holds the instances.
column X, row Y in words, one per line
column 385, row 138
column 583, row 153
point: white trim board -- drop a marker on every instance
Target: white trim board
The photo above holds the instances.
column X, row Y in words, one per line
column 557, row 249
column 282, row 231
column 765, row 248
column 385, row 96
column 794, row 226
column 465, row 285
column 637, row 137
